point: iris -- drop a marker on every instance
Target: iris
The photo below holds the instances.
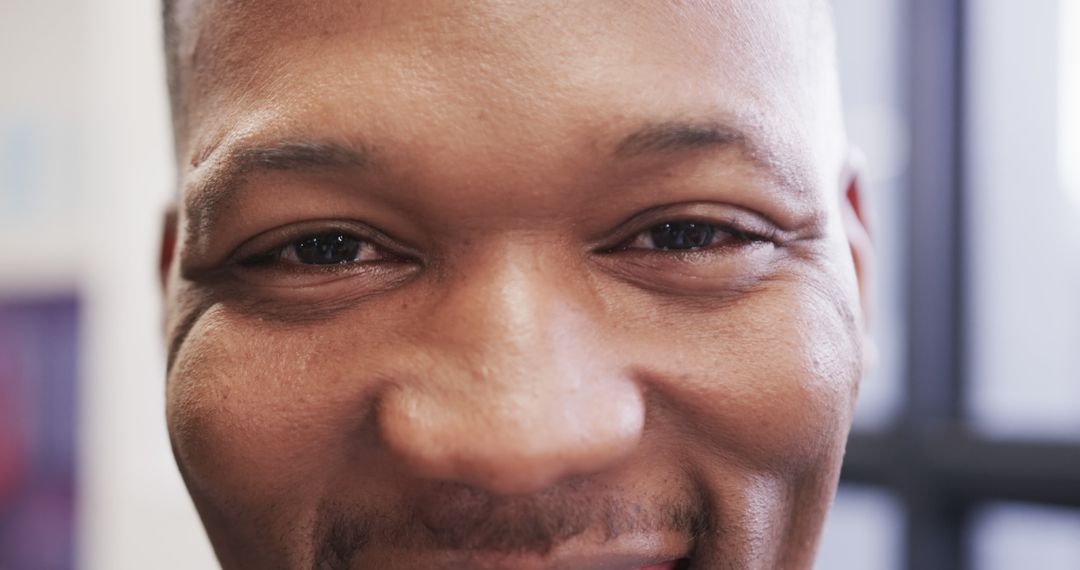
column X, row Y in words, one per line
column 326, row 249
column 683, row 235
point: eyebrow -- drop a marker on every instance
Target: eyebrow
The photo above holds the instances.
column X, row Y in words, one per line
column 655, row 138
column 674, row 136
column 223, row 181
column 298, row 155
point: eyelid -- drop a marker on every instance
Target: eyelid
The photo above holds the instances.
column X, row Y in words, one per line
column 276, row 239
column 721, row 230
column 731, row 219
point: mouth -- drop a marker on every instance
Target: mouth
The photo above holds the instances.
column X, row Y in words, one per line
column 649, row 551
column 578, row 528
column 568, row 557
column 501, row 563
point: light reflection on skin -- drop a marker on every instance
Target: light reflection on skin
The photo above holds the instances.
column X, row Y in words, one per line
column 511, row 372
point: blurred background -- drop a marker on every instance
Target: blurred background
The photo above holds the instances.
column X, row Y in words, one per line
column 966, row 450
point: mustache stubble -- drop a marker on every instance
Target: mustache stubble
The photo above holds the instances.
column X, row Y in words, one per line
column 454, row 517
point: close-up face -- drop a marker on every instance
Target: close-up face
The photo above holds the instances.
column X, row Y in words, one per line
column 511, row 284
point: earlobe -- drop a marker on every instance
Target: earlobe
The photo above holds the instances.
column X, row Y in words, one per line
column 857, row 228
column 168, row 246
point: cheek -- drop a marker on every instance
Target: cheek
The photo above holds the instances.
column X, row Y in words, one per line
column 768, row 382
column 249, row 431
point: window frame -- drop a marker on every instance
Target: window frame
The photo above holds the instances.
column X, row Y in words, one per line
column 940, row 469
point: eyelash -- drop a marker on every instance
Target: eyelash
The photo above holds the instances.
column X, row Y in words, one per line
column 340, row 237
column 730, row 229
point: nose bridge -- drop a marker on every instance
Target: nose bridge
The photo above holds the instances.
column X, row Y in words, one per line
column 515, row 395
column 499, row 301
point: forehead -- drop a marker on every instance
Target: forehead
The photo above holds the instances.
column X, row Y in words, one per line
column 728, row 30
column 747, row 22
column 514, row 77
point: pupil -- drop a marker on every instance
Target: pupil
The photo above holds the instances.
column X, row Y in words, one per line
column 326, row 249
column 683, row 235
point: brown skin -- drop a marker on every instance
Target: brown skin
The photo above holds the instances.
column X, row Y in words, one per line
column 511, row 374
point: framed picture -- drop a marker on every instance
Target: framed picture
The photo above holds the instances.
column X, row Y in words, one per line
column 38, row 366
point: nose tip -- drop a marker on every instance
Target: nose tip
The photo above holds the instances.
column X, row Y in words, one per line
column 512, row 443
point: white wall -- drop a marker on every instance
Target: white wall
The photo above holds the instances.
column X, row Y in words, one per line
column 85, row 173
column 134, row 511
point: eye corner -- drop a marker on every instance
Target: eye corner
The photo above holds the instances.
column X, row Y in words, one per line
column 255, row 260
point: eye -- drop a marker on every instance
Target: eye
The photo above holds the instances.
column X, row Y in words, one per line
column 681, row 235
column 321, row 249
column 324, row 249
column 685, row 235
column 298, row 259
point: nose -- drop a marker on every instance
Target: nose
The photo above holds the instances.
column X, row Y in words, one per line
column 511, row 390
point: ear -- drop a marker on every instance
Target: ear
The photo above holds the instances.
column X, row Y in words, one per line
column 856, row 225
column 167, row 255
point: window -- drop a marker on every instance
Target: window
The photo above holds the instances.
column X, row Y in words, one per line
column 1024, row 222
column 1009, row 536
column 981, row 461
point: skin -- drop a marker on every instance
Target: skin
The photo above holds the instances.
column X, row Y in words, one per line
column 511, row 375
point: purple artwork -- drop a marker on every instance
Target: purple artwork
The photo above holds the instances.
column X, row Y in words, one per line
column 38, row 343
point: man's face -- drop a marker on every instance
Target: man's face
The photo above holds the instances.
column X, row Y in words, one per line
column 500, row 284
